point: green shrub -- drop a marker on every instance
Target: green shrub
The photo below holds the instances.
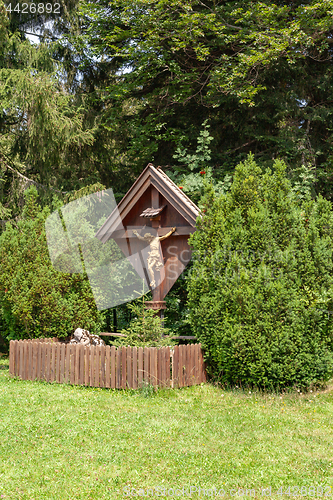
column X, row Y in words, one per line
column 146, row 328
column 36, row 300
column 262, row 282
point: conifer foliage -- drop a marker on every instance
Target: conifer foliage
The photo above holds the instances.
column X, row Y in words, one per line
column 261, row 290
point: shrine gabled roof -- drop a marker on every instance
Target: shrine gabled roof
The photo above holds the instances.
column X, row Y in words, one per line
column 170, row 191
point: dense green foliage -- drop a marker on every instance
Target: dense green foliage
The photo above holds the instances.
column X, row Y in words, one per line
column 146, row 328
column 36, row 300
column 261, row 72
column 261, row 289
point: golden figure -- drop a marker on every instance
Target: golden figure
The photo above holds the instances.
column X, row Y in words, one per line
column 154, row 258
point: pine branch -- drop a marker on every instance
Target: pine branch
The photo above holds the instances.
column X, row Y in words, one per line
column 37, row 184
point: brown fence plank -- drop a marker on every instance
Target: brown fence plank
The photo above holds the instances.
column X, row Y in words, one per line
column 187, row 365
column 17, row 358
column 43, row 361
column 43, row 372
column 107, row 367
column 113, row 367
column 135, row 368
column 184, row 373
column 129, row 367
column 27, row 366
column 180, row 367
column 175, row 360
column 27, row 373
column 167, row 374
column 159, row 366
column 16, row 363
column 11, row 356
column 182, row 361
column 102, row 380
column 14, row 356
column 100, row 369
column 118, row 358
column 12, row 351
column 160, row 362
column 146, row 367
column 58, row 361
column 123, row 367
column 92, row 365
column 86, row 365
column 53, row 362
column 76, row 350
column 30, row 360
column 62, row 362
column 80, row 360
column 48, row 361
column 39, row 361
column 153, row 366
column 25, row 360
column 197, row 360
column 190, row 373
column 204, row 373
column 97, row 365
column 195, row 363
column 201, row 367
column 72, row 364
column 67, row 363
column 20, row 357
column 140, row 366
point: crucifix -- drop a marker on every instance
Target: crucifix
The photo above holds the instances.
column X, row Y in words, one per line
column 154, row 259
column 154, row 220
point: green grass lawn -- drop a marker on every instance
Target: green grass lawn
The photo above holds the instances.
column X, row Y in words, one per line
column 68, row 442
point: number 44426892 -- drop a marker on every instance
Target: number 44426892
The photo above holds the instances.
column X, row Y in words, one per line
column 33, row 8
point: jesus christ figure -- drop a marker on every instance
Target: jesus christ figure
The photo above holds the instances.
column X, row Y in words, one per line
column 154, row 258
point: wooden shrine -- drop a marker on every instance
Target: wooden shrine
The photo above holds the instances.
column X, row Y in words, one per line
column 155, row 215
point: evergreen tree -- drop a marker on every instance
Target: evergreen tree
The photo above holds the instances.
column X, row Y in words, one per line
column 261, row 287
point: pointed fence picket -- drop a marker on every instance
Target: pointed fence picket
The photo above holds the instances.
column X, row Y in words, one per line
column 105, row 366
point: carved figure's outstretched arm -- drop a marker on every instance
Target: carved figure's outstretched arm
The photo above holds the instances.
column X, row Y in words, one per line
column 168, row 234
column 138, row 235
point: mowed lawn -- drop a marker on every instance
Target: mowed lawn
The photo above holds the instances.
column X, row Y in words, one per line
column 68, row 442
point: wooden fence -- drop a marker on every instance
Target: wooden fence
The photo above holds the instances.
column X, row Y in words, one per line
column 105, row 366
